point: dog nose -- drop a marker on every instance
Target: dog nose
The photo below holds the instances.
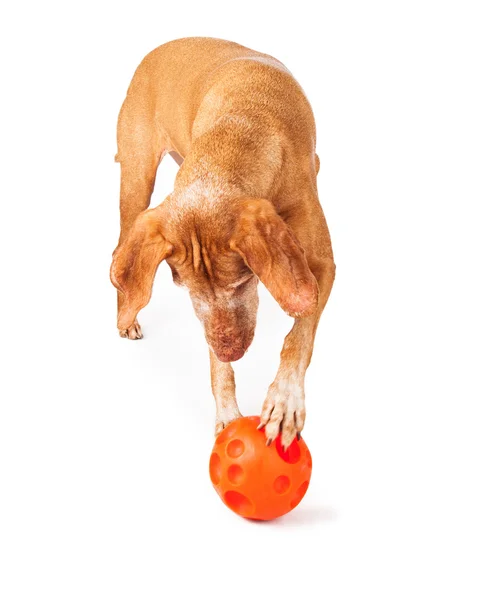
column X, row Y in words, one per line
column 229, row 354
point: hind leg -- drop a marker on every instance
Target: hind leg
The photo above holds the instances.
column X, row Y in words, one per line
column 140, row 151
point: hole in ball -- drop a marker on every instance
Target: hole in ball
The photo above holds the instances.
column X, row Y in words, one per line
column 235, row 474
column 300, row 492
column 215, row 468
column 239, row 503
column 235, row 448
column 281, row 484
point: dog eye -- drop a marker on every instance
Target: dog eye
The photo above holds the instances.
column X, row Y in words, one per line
column 237, row 285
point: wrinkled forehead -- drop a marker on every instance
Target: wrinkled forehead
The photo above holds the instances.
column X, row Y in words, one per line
column 228, row 269
column 211, row 268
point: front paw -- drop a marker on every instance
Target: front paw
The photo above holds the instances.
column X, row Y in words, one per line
column 283, row 411
column 224, row 417
column 132, row 333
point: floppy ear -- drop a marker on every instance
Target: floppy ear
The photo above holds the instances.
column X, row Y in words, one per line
column 135, row 262
column 271, row 250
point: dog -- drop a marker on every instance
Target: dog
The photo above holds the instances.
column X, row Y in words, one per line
column 244, row 209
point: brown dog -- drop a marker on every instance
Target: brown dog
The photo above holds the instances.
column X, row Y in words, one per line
column 244, row 207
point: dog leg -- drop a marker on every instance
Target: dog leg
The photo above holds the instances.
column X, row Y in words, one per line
column 137, row 183
column 140, row 151
column 224, row 391
column 284, row 407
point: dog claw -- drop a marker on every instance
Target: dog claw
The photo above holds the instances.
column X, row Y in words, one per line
column 268, row 442
column 133, row 332
column 283, row 411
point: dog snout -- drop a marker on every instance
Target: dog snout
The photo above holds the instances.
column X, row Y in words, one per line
column 228, row 332
column 228, row 348
column 229, row 354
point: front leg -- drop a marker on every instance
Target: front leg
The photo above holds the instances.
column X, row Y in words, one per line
column 224, row 391
column 284, row 408
column 134, row 331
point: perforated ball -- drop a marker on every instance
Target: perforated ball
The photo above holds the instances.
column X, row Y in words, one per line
column 254, row 480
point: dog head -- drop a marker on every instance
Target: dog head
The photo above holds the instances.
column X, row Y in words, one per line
column 219, row 258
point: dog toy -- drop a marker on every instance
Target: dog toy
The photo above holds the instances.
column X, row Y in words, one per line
column 254, row 480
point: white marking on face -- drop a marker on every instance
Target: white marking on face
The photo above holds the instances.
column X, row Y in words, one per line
column 233, row 303
column 202, row 307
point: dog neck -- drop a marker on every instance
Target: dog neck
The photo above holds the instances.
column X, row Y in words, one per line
column 236, row 157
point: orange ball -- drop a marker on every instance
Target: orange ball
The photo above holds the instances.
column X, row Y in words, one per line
column 255, row 480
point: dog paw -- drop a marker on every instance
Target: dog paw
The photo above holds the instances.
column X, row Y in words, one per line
column 132, row 333
column 224, row 417
column 283, row 412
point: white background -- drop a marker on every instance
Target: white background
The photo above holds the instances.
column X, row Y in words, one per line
column 104, row 442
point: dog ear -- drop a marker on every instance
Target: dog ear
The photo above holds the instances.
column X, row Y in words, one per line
column 135, row 262
column 270, row 249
